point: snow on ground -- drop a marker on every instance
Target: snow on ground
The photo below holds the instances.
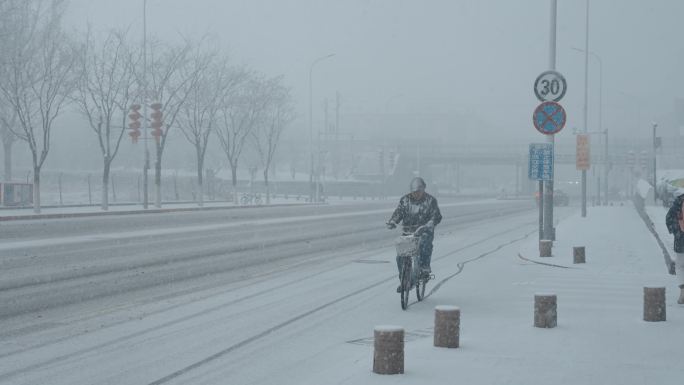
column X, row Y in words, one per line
column 286, row 336
column 600, row 339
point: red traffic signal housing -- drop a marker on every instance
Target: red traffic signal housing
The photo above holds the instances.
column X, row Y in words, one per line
column 157, row 121
column 134, row 135
column 134, row 123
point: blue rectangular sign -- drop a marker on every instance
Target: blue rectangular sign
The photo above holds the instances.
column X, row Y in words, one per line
column 541, row 161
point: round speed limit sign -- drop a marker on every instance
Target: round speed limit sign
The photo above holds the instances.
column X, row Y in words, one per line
column 550, row 86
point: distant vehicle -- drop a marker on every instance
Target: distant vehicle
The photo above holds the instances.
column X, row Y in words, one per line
column 560, row 198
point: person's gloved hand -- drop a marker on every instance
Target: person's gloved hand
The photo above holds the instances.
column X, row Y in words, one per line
column 430, row 225
column 391, row 225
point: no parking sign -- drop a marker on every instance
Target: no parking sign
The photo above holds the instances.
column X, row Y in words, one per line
column 549, row 118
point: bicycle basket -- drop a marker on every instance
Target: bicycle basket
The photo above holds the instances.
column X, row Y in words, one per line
column 407, row 246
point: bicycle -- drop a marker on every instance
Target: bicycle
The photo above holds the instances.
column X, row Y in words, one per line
column 408, row 251
column 250, row 199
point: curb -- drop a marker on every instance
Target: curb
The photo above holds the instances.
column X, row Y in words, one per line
column 641, row 210
column 133, row 212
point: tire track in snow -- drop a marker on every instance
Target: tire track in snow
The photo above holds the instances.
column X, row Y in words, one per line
column 301, row 316
column 461, row 265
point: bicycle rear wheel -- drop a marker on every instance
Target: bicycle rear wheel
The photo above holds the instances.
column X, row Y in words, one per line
column 405, row 278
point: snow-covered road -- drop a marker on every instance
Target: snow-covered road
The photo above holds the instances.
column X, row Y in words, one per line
column 122, row 314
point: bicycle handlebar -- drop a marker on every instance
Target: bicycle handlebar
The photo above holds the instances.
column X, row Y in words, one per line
column 410, row 230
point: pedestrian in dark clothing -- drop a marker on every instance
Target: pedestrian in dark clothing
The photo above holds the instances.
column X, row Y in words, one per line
column 418, row 209
column 674, row 220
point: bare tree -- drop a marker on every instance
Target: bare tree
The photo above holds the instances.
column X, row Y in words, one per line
column 238, row 117
column 8, row 117
column 197, row 118
column 168, row 85
column 105, row 91
column 8, row 121
column 277, row 115
column 38, row 77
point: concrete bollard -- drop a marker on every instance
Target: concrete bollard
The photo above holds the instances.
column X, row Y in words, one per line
column 388, row 355
column 447, row 326
column 545, row 311
column 545, row 247
column 654, row 304
column 578, row 254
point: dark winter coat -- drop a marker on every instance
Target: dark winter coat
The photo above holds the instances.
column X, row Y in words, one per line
column 672, row 223
column 414, row 213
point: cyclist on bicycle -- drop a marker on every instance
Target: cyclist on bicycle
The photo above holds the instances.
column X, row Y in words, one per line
column 418, row 210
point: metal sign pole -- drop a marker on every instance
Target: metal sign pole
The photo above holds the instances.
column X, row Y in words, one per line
column 548, row 193
column 549, row 118
column 541, row 210
column 541, row 169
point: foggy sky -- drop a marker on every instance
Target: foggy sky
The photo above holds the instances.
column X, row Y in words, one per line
column 474, row 57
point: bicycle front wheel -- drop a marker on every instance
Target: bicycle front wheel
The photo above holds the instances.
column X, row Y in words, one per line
column 420, row 288
column 405, row 278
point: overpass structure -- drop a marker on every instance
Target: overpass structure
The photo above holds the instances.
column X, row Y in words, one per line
column 454, row 166
column 388, row 164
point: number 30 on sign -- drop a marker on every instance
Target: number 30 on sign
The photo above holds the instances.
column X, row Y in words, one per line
column 550, row 86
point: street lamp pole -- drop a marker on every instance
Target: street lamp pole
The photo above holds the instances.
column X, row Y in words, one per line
column 146, row 167
column 605, row 164
column 655, row 125
column 605, row 159
column 391, row 98
column 313, row 189
column 586, row 105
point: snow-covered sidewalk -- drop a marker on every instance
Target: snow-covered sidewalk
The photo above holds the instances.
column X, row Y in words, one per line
column 600, row 338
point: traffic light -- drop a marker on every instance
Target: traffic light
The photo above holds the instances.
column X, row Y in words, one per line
column 157, row 122
column 134, row 123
